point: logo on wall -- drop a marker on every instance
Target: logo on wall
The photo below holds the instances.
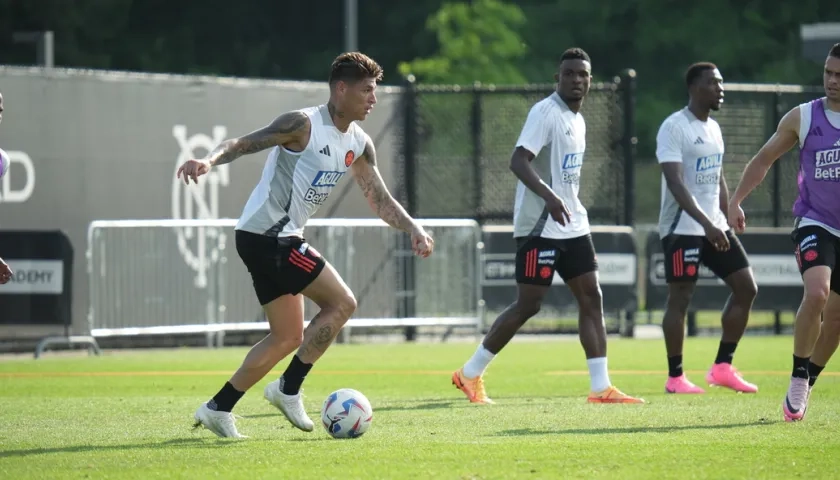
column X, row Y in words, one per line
column 11, row 189
column 199, row 246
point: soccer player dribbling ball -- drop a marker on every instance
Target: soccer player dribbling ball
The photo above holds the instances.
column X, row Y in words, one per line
column 310, row 151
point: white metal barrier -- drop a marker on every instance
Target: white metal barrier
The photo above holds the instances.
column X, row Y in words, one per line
column 151, row 277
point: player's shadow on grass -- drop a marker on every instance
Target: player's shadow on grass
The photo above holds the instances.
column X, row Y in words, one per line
column 416, row 406
column 607, row 431
column 384, row 408
column 174, row 443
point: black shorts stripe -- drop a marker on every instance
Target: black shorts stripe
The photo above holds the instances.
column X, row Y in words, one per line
column 537, row 258
column 685, row 253
column 278, row 266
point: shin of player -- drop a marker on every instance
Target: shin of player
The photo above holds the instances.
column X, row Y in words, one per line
column 551, row 230
column 694, row 231
column 311, row 150
column 815, row 126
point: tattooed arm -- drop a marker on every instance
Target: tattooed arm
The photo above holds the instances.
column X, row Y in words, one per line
column 377, row 194
column 285, row 129
column 290, row 130
column 380, row 201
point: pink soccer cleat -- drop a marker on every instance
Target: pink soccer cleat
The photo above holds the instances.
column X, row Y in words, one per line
column 725, row 375
column 796, row 401
column 681, row 385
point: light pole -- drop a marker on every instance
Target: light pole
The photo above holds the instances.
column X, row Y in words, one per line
column 44, row 51
column 351, row 25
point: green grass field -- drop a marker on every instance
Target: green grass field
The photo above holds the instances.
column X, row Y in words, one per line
column 706, row 320
column 129, row 415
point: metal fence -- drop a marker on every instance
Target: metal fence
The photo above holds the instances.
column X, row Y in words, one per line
column 457, row 142
column 454, row 145
column 748, row 118
column 152, row 277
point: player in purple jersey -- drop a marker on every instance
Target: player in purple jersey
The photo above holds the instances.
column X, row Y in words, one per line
column 815, row 126
column 5, row 271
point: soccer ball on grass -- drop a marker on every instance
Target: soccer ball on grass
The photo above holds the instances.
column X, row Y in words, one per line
column 346, row 414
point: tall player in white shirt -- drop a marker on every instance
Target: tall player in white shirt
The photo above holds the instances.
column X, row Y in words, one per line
column 551, row 229
column 311, row 149
column 693, row 228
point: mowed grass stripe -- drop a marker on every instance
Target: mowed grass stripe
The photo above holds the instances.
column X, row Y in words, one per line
column 360, row 372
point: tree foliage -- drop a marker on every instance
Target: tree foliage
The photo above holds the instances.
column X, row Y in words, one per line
column 478, row 41
column 453, row 42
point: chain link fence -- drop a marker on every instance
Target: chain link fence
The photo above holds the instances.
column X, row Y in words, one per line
column 748, row 119
column 457, row 142
column 454, row 145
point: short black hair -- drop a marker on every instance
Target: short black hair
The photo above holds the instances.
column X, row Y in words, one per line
column 575, row 54
column 696, row 70
column 835, row 51
column 353, row 67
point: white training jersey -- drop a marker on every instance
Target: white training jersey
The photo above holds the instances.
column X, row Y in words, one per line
column 295, row 184
column 698, row 145
column 551, row 123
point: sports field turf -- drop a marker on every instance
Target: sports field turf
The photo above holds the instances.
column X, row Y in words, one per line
column 129, row 415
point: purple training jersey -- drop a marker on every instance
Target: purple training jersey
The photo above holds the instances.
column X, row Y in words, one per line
column 819, row 171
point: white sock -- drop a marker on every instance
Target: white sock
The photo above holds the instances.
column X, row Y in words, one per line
column 476, row 365
column 599, row 379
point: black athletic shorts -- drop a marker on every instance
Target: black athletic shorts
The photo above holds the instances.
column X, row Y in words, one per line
column 816, row 246
column 278, row 265
column 685, row 253
column 537, row 259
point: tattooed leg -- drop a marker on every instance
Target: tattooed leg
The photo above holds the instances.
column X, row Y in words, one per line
column 319, row 335
column 285, row 320
column 337, row 304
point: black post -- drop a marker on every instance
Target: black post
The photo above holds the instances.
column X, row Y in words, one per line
column 692, row 323
column 478, row 191
column 627, row 84
column 776, row 115
column 407, row 296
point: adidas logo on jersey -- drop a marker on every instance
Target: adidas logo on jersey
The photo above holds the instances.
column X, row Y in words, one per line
column 816, row 131
column 325, row 150
column 837, row 143
column 699, row 141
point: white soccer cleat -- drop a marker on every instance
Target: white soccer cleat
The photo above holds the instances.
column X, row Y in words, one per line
column 796, row 400
column 290, row 405
column 222, row 424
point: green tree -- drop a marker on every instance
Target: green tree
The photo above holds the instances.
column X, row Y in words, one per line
column 479, row 41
